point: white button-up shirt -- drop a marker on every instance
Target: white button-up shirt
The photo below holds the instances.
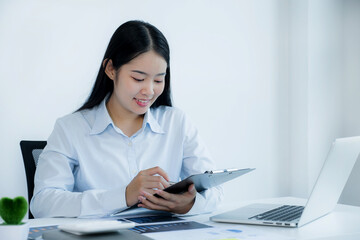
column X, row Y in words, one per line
column 88, row 161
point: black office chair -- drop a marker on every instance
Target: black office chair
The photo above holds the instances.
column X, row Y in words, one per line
column 31, row 151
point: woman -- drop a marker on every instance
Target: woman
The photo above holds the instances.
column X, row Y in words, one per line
column 126, row 142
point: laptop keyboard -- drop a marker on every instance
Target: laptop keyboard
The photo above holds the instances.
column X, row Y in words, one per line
column 285, row 213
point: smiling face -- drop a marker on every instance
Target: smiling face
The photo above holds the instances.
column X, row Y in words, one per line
column 137, row 84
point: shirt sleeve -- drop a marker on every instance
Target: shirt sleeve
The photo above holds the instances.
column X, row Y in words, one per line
column 197, row 159
column 54, row 194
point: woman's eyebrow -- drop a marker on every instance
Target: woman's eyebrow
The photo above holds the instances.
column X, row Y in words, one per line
column 144, row 73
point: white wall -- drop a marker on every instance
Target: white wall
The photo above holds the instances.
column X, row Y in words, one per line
column 298, row 97
column 324, row 76
column 250, row 74
column 351, row 89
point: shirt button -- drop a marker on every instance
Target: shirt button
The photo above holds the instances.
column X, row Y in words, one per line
column 129, row 144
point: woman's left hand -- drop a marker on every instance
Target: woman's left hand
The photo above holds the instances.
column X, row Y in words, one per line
column 176, row 203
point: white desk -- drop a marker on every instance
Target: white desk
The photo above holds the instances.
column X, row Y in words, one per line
column 342, row 223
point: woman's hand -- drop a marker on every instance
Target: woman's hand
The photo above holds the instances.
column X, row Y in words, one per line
column 145, row 181
column 176, row 203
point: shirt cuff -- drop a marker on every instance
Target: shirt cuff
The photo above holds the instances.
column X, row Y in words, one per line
column 198, row 206
column 103, row 202
column 114, row 200
column 206, row 201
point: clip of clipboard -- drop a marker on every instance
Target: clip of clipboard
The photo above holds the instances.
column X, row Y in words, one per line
column 206, row 180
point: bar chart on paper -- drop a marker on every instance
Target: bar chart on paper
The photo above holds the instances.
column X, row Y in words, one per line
column 36, row 232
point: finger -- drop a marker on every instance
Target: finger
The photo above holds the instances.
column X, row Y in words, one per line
column 153, row 185
column 157, row 170
column 174, row 197
column 148, row 190
column 166, row 195
column 166, row 184
column 170, row 205
column 149, row 205
column 155, row 200
column 191, row 191
column 158, row 179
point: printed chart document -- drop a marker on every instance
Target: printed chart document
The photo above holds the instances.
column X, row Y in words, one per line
column 217, row 233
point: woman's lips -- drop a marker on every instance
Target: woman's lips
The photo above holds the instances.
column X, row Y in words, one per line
column 142, row 102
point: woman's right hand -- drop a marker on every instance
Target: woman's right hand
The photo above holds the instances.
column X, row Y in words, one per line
column 146, row 181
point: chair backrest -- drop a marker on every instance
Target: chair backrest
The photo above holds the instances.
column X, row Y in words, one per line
column 31, row 151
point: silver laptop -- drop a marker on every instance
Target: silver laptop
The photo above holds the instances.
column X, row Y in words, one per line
column 323, row 198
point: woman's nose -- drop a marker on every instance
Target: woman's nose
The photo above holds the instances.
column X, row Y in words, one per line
column 148, row 89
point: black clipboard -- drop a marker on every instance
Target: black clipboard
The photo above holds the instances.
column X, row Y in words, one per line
column 206, row 180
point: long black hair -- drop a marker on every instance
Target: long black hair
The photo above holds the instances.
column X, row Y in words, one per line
column 129, row 41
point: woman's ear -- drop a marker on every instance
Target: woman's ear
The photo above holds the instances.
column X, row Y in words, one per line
column 109, row 69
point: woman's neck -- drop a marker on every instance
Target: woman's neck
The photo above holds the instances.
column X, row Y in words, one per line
column 128, row 122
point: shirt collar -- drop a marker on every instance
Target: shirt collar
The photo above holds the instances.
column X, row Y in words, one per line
column 152, row 122
column 103, row 120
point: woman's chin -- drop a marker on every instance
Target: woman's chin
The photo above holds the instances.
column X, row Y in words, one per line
column 141, row 111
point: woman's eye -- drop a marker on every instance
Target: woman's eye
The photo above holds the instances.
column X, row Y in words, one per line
column 158, row 81
column 138, row 79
